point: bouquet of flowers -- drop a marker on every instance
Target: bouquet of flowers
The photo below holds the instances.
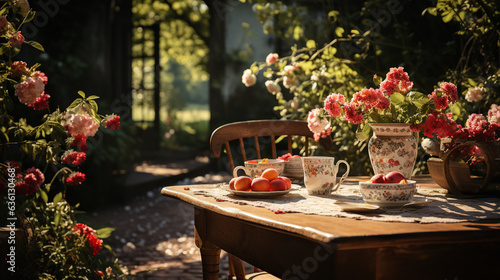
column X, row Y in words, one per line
column 393, row 102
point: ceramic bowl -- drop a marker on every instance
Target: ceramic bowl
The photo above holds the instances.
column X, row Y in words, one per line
column 255, row 169
column 293, row 168
column 384, row 194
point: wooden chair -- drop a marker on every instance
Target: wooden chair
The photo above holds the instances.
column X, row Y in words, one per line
column 256, row 130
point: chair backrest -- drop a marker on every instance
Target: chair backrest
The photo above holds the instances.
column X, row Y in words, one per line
column 255, row 129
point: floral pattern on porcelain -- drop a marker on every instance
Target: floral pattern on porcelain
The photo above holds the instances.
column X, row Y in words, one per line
column 390, row 194
column 320, row 174
column 392, row 148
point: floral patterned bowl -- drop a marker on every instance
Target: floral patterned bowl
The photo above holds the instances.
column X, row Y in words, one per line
column 385, row 194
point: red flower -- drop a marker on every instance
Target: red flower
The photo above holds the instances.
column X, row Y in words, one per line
column 75, row 158
column 441, row 101
column 81, row 142
column 95, row 243
column 30, row 183
column 113, row 123
column 41, row 103
column 99, row 273
column 75, row 179
column 89, row 233
column 450, row 90
column 351, row 113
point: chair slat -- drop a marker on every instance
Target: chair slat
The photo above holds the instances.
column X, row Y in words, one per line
column 242, row 149
column 306, row 146
column 290, row 144
column 229, row 155
column 273, row 143
column 257, row 146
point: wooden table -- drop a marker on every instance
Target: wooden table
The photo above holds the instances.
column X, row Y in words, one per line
column 298, row 246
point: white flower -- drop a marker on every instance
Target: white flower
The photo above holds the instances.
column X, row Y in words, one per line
column 494, row 114
column 273, row 87
column 475, row 94
column 248, row 79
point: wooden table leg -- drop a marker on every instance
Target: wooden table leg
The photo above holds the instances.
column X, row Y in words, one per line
column 210, row 255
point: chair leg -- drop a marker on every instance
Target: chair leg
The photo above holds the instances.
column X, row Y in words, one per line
column 236, row 265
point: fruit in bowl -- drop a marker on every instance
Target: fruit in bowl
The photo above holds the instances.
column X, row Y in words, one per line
column 269, row 181
column 293, row 166
column 391, row 189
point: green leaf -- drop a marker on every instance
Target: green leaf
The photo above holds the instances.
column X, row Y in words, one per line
column 44, row 196
column 57, row 198
column 35, row 45
column 104, row 232
column 363, row 132
column 75, row 103
column 92, row 97
column 447, row 16
column 81, row 93
column 94, row 106
column 311, row 44
column 57, row 218
column 377, row 80
column 397, row 98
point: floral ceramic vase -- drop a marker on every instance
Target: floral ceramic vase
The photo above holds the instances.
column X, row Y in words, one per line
column 393, row 147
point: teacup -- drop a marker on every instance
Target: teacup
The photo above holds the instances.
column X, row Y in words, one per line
column 255, row 169
column 320, row 174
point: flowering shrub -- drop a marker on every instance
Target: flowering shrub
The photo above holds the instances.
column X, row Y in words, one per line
column 39, row 161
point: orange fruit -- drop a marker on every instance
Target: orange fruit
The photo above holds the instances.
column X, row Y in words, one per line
column 270, row 174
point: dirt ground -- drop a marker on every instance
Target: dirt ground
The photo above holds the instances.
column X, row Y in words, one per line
column 154, row 235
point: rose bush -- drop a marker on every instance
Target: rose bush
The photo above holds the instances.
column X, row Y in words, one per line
column 40, row 158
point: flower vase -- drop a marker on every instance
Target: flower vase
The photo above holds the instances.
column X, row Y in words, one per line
column 393, row 147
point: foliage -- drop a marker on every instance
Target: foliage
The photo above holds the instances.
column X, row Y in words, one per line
column 40, row 158
column 368, row 36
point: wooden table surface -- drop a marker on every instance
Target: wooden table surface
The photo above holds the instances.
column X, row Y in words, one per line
column 353, row 248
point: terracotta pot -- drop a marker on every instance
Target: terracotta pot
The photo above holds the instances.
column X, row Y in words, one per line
column 393, row 147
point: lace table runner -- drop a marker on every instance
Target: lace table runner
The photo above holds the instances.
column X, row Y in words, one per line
column 443, row 209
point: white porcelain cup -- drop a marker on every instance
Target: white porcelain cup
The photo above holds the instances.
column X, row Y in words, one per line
column 320, row 174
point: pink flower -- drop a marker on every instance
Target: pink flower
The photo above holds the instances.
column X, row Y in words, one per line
column 18, row 69
column 29, row 90
column 4, row 24
column 272, row 58
column 273, row 87
column 75, row 179
column 371, row 98
column 81, row 124
column 352, row 114
column 396, row 80
column 319, row 127
column 16, row 39
column 248, row 79
column 332, row 104
column 494, row 114
column 75, row 158
column 41, row 103
column 81, row 142
column 113, row 123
